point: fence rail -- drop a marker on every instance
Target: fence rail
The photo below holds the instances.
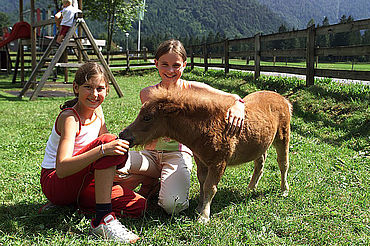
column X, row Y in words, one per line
column 254, row 49
column 123, row 59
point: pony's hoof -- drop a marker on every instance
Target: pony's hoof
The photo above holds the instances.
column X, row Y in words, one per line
column 285, row 193
column 203, row 220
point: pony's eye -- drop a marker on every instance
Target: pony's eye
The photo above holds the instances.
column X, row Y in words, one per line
column 147, row 118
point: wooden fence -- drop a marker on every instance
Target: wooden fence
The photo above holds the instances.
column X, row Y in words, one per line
column 254, row 48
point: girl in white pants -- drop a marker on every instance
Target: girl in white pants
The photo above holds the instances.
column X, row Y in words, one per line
column 165, row 162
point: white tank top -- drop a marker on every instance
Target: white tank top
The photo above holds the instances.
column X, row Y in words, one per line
column 68, row 14
column 86, row 134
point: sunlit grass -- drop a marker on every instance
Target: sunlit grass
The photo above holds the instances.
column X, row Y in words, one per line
column 329, row 172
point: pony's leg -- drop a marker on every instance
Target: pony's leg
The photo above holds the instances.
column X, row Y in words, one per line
column 202, row 171
column 282, row 150
column 214, row 175
column 258, row 171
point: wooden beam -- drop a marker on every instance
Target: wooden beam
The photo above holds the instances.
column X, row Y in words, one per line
column 205, row 57
column 241, row 53
column 257, row 55
column 343, row 74
column 101, row 58
column 44, row 23
column 33, row 35
column 356, row 50
column 20, row 10
column 310, row 56
column 226, row 55
column 344, row 27
column 284, row 53
column 284, row 35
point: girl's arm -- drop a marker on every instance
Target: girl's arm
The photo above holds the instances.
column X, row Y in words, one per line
column 66, row 164
column 235, row 114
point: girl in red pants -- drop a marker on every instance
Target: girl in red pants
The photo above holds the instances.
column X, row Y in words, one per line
column 81, row 159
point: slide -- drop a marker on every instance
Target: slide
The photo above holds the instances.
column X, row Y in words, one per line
column 20, row 30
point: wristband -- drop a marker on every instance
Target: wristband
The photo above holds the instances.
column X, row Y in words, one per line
column 101, row 149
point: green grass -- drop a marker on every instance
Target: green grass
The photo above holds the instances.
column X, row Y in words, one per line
column 329, row 172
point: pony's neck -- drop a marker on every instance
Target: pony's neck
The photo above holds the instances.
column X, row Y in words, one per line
column 185, row 132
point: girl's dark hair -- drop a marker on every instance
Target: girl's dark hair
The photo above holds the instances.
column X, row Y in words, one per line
column 89, row 70
column 171, row 45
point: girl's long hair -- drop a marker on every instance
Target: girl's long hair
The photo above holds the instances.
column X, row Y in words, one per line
column 90, row 70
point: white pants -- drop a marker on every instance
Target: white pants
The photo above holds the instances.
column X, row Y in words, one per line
column 171, row 169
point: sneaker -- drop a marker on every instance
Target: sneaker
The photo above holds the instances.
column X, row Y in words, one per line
column 111, row 229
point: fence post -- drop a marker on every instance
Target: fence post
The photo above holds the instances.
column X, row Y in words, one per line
column 205, row 56
column 226, row 54
column 191, row 57
column 310, row 56
column 145, row 49
column 257, row 55
column 128, row 59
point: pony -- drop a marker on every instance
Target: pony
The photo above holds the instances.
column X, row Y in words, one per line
column 197, row 119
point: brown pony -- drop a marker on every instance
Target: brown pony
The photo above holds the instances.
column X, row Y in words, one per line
column 198, row 120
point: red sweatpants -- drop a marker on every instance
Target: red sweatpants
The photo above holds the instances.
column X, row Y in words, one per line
column 79, row 188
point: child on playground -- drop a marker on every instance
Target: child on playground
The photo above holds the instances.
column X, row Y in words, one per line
column 81, row 158
column 165, row 163
column 64, row 19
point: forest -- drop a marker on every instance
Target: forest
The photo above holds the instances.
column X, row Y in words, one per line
column 200, row 21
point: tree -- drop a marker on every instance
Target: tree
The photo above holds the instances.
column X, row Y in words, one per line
column 311, row 23
column 4, row 21
column 117, row 14
column 324, row 40
column 366, row 37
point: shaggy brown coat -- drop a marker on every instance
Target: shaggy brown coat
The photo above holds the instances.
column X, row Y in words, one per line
column 198, row 120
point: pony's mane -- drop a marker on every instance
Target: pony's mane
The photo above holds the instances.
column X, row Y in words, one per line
column 191, row 99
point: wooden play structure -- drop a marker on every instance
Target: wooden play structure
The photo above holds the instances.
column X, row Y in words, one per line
column 78, row 40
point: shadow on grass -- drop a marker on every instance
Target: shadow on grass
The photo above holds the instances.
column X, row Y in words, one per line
column 25, row 219
column 4, row 97
column 227, row 196
column 223, row 199
column 356, row 129
column 134, row 72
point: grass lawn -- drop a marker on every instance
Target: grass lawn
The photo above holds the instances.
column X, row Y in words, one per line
column 329, row 172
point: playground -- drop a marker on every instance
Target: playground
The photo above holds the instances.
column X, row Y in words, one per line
column 78, row 41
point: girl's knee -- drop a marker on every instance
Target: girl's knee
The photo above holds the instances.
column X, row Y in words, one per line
column 106, row 138
column 173, row 205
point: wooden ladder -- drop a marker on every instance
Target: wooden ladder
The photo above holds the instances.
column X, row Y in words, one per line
column 55, row 57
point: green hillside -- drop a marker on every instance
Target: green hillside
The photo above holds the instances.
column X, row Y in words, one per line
column 194, row 17
column 194, row 20
column 199, row 17
column 299, row 12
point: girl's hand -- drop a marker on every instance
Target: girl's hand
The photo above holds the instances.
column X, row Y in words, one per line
column 116, row 147
column 235, row 118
